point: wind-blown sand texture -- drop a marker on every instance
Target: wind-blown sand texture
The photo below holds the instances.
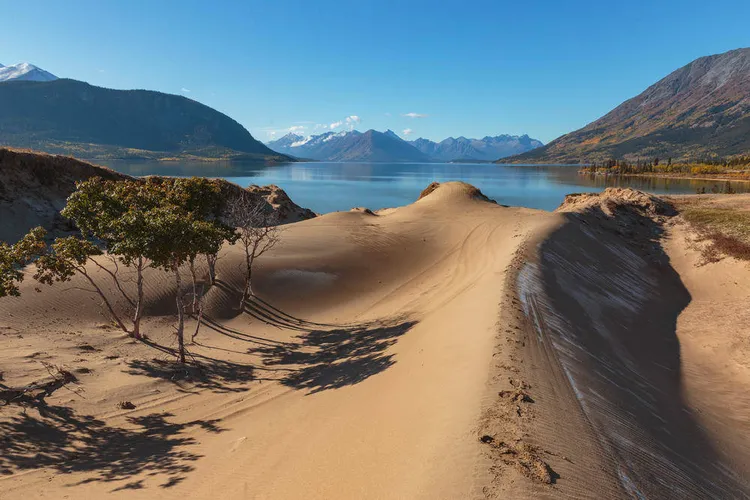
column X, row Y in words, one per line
column 452, row 348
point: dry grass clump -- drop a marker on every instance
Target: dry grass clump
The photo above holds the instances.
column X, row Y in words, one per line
column 726, row 245
column 727, row 231
column 725, row 220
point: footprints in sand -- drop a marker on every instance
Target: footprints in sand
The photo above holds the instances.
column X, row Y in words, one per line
column 504, row 426
column 523, row 456
column 502, row 433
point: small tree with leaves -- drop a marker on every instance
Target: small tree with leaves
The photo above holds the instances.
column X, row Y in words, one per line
column 115, row 214
column 179, row 236
column 186, row 223
column 14, row 257
column 257, row 232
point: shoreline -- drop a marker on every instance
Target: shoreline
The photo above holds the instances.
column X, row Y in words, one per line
column 705, row 177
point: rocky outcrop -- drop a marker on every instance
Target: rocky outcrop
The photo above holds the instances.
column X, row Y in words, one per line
column 287, row 211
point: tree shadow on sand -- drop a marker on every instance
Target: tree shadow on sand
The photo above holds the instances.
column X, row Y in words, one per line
column 322, row 356
column 56, row 438
column 329, row 359
column 202, row 372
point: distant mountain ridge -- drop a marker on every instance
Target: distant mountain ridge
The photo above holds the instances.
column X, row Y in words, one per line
column 388, row 146
column 699, row 111
column 487, row 148
column 25, row 71
column 349, row 146
column 75, row 118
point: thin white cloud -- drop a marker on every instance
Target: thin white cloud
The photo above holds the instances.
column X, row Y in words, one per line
column 414, row 115
column 353, row 120
column 408, row 131
column 335, row 125
column 183, row 89
column 320, row 125
column 387, row 114
column 297, row 128
column 100, row 70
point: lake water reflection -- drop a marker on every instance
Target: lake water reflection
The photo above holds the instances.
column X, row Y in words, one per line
column 327, row 187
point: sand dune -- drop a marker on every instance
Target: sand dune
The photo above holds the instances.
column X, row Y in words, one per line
column 610, row 328
column 452, row 348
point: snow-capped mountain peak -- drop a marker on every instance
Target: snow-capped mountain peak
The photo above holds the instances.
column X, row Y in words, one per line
column 301, row 142
column 25, row 71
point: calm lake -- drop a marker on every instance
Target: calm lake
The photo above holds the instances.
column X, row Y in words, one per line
column 327, row 187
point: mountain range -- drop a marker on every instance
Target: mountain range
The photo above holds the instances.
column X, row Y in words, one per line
column 349, row 146
column 487, row 148
column 71, row 117
column 700, row 111
column 25, row 71
column 388, row 146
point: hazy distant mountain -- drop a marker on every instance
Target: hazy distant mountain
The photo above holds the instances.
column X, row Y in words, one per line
column 388, row 146
column 487, row 148
column 700, row 110
column 71, row 117
column 25, row 71
column 349, row 146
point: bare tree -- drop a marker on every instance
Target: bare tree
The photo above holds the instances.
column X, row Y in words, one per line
column 258, row 232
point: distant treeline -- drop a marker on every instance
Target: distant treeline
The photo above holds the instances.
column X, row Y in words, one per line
column 661, row 166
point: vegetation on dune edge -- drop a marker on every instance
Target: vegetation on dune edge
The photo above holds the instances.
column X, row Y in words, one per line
column 726, row 231
column 162, row 223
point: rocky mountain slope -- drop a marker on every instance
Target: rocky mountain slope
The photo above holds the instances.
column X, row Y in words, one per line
column 700, row 111
column 72, row 117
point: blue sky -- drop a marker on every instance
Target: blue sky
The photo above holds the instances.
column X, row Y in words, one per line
column 436, row 68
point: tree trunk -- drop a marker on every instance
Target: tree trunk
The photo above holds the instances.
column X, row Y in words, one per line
column 106, row 302
column 249, row 286
column 211, row 261
column 139, row 300
column 194, row 306
column 248, row 276
column 200, row 316
column 180, row 317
